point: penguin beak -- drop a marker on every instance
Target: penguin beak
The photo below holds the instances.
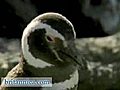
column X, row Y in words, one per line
column 67, row 52
column 74, row 57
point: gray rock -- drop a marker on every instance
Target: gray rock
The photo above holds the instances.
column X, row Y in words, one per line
column 107, row 12
column 9, row 54
column 103, row 60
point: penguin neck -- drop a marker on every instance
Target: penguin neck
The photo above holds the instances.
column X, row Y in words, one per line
column 60, row 72
column 62, row 77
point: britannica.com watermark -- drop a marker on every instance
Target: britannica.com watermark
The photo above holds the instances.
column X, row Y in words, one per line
column 27, row 82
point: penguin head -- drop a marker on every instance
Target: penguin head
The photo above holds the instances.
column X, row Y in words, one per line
column 44, row 37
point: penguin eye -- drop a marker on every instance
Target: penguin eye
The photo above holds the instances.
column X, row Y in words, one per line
column 49, row 39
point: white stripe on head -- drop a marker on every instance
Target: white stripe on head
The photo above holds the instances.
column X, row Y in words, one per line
column 36, row 62
column 25, row 47
column 34, row 25
column 58, row 16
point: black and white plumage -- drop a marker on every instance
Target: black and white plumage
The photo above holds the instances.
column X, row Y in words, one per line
column 48, row 50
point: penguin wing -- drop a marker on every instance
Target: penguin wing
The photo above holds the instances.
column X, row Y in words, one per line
column 17, row 71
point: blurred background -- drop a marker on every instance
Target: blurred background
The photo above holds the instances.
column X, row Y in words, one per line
column 96, row 23
column 89, row 17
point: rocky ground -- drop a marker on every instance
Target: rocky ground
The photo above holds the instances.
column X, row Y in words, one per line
column 103, row 60
column 9, row 54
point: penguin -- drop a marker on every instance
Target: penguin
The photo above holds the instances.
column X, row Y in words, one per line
column 48, row 50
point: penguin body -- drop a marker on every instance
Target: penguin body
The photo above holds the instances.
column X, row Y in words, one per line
column 48, row 50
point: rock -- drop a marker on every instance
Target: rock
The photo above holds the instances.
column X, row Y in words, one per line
column 103, row 60
column 9, row 54
column 106, row 12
